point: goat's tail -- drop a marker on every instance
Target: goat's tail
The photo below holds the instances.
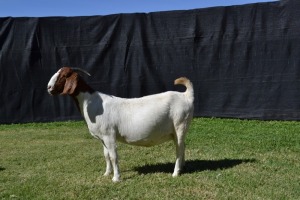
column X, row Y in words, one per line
column 189, row 86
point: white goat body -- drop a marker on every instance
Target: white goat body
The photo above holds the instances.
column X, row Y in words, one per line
column 144, row 121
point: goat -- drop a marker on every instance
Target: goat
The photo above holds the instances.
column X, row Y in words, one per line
column 145, row 121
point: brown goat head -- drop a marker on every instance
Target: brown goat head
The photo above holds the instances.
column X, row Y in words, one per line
column 63, row 82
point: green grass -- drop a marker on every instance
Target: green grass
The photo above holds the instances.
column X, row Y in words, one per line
column 226, row 159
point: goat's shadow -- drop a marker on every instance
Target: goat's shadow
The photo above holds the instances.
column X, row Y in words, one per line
column 192, row 166
column 2, row 168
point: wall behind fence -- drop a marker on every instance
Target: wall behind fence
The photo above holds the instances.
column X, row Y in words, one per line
column 244, row 61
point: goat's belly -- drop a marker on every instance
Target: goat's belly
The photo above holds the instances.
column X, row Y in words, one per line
column 144, row 135
column 146, row 141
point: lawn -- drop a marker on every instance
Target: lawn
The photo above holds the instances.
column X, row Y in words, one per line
column 226, row 159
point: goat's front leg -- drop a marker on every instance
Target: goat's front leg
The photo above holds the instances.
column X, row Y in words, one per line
column 111, row 147
column 107, row 159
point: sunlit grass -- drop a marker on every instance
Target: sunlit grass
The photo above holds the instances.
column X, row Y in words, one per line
column 226, row 159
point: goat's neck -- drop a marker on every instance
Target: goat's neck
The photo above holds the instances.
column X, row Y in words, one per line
column 82, row 87
column 79, row 101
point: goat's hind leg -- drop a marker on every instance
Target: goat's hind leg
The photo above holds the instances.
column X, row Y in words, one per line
column 180, row 151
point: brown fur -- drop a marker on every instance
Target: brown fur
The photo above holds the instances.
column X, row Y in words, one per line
column 181, row 81
column 70, row 83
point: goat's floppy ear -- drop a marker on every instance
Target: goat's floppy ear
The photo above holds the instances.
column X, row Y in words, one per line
column 70, row 85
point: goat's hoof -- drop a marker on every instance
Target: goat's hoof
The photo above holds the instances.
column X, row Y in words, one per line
column 106, row 174
column 175, row 174
column 116, row 179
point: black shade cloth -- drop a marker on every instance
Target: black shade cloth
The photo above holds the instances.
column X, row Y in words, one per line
column 243, row 60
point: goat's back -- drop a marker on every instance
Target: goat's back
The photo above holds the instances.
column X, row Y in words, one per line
column 168, row 104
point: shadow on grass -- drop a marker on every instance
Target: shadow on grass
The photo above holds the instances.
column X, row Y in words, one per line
column 192, row 166
column 2, row 169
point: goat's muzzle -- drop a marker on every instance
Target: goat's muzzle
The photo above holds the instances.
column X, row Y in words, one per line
column 51, row 91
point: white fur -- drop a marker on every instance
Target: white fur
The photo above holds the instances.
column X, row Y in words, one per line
column 53, row 81
column 145, row 121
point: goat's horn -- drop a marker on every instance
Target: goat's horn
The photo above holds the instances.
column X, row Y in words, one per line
column 81, row 70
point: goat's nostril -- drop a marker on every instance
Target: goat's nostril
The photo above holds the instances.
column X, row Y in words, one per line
column 49, row 87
